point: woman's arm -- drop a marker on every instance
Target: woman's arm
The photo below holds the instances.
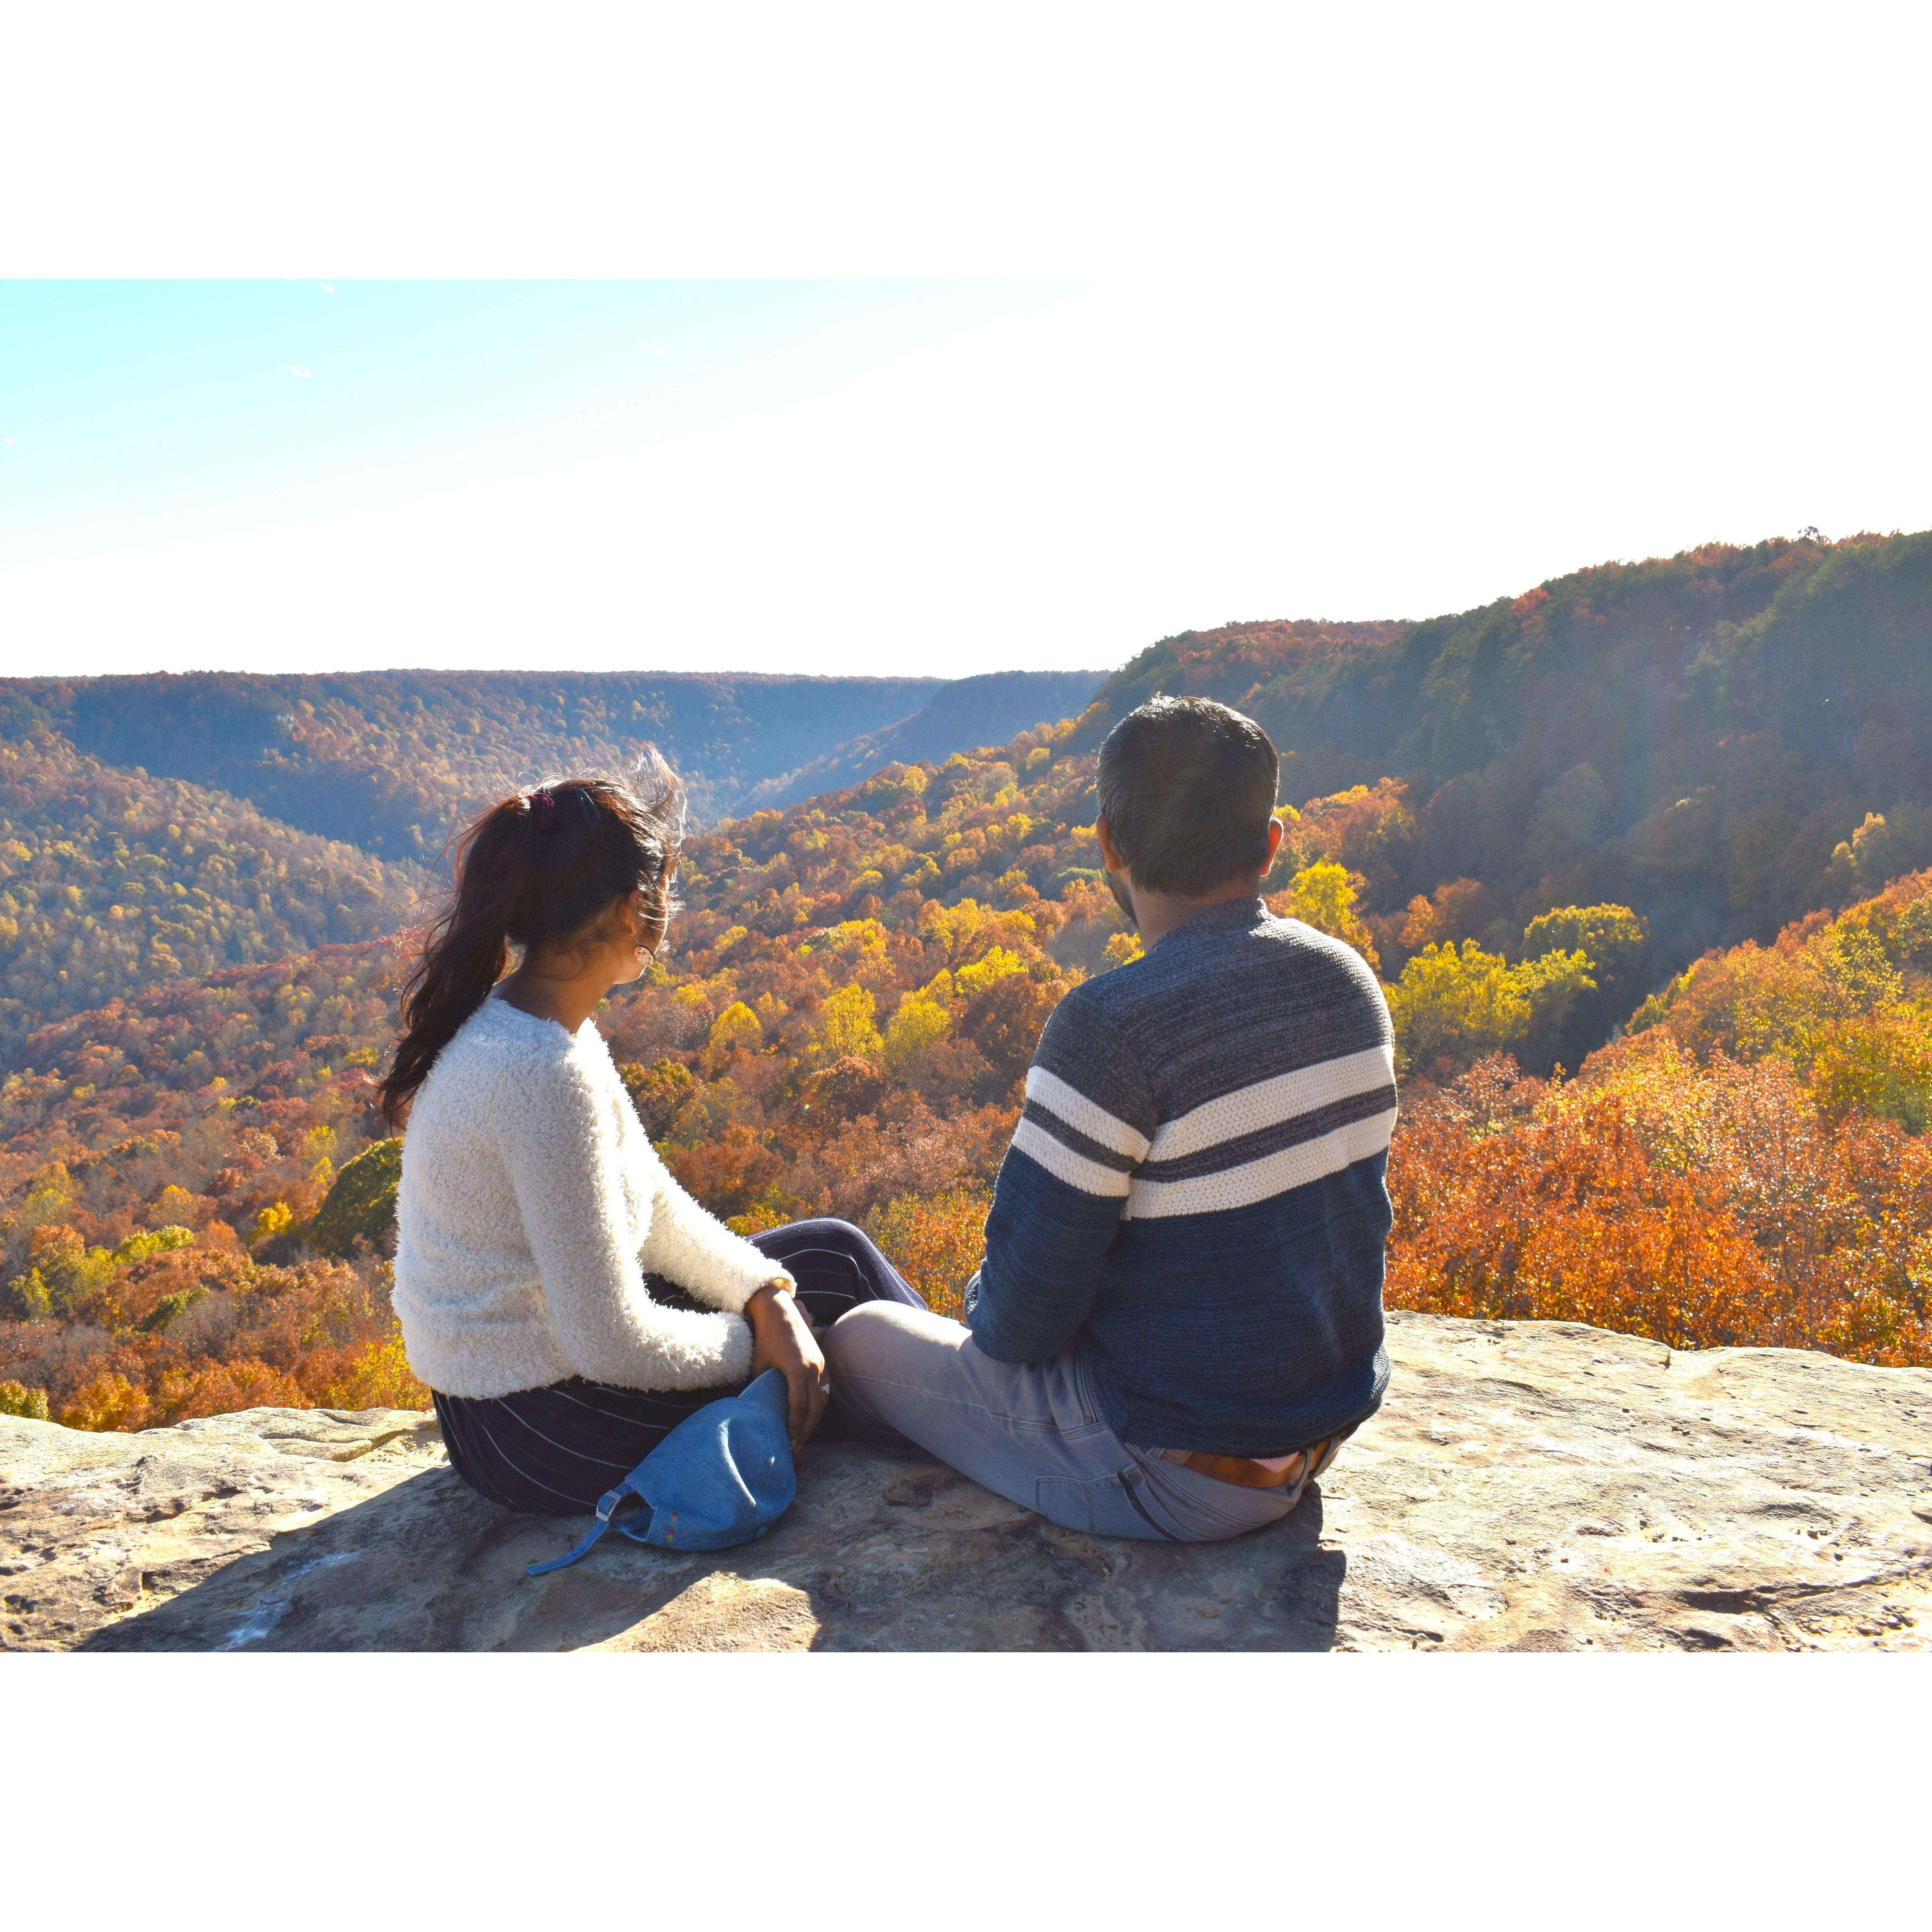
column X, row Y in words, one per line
column 562, row 1153
column 694, row 1248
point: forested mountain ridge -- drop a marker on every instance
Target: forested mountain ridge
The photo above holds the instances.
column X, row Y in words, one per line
column 211, row 879
column 112, row 881
column 394, row 761
column 1693, row 736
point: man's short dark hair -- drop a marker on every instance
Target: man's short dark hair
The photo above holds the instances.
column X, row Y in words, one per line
column 1188, row 786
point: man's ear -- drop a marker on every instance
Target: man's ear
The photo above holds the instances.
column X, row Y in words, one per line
column 1110, row 852
column 1276, row 831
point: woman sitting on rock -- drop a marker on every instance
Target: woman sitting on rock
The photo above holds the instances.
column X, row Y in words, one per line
column 566, row 1300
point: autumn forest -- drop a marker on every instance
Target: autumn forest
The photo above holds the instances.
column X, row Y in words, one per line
column 1642, row 856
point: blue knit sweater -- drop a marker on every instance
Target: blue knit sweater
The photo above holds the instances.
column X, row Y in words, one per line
column 1194, row 1199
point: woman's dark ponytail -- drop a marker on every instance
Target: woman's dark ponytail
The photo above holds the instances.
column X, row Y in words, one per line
column 532, row 871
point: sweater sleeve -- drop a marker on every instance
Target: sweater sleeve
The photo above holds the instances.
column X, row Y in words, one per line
column 1087, row 1124
column 562, row 1155
column 692, row 1247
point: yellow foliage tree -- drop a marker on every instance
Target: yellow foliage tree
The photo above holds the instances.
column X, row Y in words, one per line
column 273, row 1220
column 920, row 1020
column 846, row 1025
column 737, row 1026
column 1324, row 895
column 995, row 964
column 380, row 1378
column 16, row 1398
column 175, row 1205
column 1459, row 1006
column 1881, row 1061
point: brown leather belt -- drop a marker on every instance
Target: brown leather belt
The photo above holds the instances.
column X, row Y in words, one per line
column 1254, row 1472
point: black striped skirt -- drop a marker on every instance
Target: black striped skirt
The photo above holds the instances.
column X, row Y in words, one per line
column 555, row 1451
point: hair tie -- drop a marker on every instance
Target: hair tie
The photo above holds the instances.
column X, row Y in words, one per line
column 543, row 808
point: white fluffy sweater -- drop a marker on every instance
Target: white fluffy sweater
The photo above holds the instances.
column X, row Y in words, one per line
column 532, row 1204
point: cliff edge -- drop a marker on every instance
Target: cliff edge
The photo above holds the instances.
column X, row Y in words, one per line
column 1529, row 1485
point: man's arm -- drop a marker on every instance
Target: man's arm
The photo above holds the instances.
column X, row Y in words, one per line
column 1087, row 1124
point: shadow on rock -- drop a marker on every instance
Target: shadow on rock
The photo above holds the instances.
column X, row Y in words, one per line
column 885, row 1550
column 1277, row 1588
column 426, row 1564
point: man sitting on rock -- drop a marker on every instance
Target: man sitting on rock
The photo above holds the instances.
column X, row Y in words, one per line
column 1179, row 1317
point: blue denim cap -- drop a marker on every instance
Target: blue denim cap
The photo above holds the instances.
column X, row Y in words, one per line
column 723, row 1476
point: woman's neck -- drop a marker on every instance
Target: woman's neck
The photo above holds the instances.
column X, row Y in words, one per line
column 568, row 1000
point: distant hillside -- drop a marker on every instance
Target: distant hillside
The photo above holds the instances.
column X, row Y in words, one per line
column 114, row 880
column 1005, row 824
column 1273, row 670
column 125, row 1096
column 274, row 1030
column 969, row 714
column 392, row 761
column 1695, row 737
column 112, row 883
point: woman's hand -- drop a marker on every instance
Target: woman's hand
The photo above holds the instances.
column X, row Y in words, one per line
column 782, row 1339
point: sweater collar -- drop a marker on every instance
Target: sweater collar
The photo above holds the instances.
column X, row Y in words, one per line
column 497, row 1013
column 1231, row 916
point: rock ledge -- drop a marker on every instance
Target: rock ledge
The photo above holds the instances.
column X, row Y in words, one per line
column 1529, row 1485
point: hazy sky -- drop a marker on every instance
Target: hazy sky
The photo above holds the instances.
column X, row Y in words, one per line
column 1388, row 327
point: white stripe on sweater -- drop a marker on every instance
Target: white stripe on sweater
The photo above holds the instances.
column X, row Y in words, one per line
column 1269, row 1103
column 1060, row 1160
column 1277, row 1173
column 1068, row 1104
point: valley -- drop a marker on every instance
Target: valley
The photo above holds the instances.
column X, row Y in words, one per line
column 1640, row 854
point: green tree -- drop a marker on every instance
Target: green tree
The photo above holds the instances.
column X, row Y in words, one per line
column 658, row 1092
column 68, row 1277
column 362, row 1201
column 16, row 1399
column 1617, row 944
column 1570, row 817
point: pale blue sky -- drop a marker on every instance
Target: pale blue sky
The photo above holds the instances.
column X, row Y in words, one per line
column 134, row 406
column 862, row 478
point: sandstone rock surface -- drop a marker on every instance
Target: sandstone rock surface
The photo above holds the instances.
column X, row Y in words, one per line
column 1532, row 1486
